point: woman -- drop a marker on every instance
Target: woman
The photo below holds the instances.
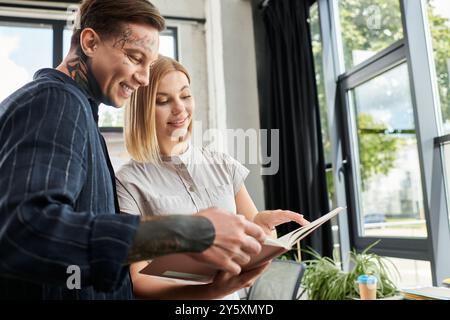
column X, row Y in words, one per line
column 168, row 175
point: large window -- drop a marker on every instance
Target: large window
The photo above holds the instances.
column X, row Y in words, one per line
column 413, row 273
column 391, row 59
column 368, row 26
column 389, row 187
column 25, row 48
column 439, row 25
column 439, row 22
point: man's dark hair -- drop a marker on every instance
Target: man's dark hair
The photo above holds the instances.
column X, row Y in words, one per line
column 107, row 17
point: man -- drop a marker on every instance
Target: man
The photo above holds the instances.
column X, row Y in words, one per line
column 57, row 197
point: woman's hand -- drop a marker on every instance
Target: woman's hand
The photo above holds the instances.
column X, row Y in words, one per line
column 269, row 219
column 226, row 283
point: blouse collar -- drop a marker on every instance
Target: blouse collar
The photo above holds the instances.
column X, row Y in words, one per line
column 181, row 158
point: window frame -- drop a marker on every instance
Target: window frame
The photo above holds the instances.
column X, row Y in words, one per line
column 415, row 50
column 424, row 88
column 383, row 61
column 57, row 27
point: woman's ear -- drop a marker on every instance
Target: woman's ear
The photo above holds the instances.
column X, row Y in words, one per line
column 89, row 41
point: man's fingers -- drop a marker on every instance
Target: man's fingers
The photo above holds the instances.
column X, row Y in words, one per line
column 250, row 245
column 226, row 262
column 255, row 231
column 219, row 257
column 231, row 266
column 241, row 258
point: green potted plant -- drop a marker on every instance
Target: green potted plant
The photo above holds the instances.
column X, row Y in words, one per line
column 324, row 279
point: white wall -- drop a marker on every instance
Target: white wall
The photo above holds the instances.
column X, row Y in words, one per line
column 241, row 81
column 192, row 54
column 181, row 8
column 191, row 47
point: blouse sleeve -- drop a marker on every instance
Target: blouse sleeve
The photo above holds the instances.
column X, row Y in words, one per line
column 237, row 171
column 127, row 202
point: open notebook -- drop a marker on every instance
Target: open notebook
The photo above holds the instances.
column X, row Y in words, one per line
column 182, row 267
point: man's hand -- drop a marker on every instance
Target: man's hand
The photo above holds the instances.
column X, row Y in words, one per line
column 268, row 220
column 236, row 239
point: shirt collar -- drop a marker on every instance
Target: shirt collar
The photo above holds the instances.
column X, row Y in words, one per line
column 64, row 78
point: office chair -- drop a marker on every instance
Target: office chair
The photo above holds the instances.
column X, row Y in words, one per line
column 280, row 281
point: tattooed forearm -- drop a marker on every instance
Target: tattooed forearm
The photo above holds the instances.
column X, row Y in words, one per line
column 171, row 234
column 148, row 43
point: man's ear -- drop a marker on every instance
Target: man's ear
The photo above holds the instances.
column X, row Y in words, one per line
column 89, row 41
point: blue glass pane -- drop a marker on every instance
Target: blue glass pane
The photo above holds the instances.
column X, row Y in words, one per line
column 24, row 50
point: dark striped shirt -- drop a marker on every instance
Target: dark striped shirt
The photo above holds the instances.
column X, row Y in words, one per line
column 56, row 197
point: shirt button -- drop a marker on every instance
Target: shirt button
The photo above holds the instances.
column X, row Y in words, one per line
column 191, row 189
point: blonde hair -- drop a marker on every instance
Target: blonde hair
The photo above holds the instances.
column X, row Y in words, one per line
column 140, row 118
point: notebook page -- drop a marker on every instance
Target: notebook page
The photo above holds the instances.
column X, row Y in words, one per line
column 302, row 232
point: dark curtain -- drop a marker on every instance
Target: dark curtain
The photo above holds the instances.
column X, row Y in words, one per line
column 288, row 102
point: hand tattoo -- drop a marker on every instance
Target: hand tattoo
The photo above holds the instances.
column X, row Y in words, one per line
column 171, row 234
